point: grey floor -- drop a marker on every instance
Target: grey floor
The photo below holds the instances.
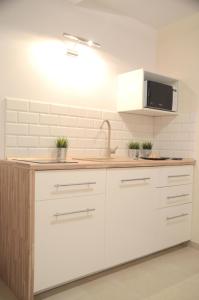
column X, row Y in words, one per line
column 172, row 275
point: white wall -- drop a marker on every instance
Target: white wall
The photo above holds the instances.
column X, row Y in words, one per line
column 178, row 49
column 33, row 64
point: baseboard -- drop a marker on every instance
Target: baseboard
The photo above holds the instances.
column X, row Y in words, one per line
column 194, row 245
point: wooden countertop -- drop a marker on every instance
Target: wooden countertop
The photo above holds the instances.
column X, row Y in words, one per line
column 86, row 164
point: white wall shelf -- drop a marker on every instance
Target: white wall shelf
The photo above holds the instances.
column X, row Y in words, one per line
column 131, row 92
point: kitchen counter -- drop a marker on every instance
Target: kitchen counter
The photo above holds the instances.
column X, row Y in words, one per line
column 86, row 164
column 20, row 184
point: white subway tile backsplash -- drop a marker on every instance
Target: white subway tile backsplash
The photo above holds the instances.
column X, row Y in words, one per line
column 94, row 114
column 58, row 131
column 46, row 119
column 84, row 112
column 175, row 136
column 68, row 132
column 17, row 105
column 96, row 124
column 77, row 132
column 39, row 152
column 85, row 123
column 116, row 134
column 39, row 130
column 193, row 117
column 111, row 116
column 27, row 141
column 87, row 143
column 16, row 129
column 58, row 109
column 39, row 107
column 67, row 121
column 47, row 142
column 77, row 112
column 12, row 116
column 32, row 128
column 94, row 133
column 117, row 125
column 11, row 141
column 28, row 118
column 16, row 152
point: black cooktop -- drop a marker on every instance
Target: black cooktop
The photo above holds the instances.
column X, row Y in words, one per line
column 162, row 158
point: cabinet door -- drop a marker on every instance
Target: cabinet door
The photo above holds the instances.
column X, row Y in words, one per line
column 69, row 239
column 173, row 226
column 129, row 214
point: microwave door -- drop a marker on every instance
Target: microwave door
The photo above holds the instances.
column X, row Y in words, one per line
column 159, row 96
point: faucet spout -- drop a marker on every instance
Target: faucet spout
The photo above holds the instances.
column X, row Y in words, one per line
column 109, row 151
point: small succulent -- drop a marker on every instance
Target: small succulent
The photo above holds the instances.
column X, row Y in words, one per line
column 134, row 145
column 62, row 142
column 147, row 145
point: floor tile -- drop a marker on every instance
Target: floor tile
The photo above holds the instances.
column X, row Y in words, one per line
column 5, row 293
column 186, row 290
column 170, row 275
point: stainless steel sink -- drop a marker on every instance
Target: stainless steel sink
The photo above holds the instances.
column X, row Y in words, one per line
column 49, row 161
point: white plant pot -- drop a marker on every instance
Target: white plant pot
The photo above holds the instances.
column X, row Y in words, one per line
column 133, row 153
column 145, row 152
column 61, row 154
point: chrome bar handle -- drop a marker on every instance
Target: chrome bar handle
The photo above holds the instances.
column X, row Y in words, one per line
column 175, row 217
column 181, row 175
column 135, row 179
column 177, row 196
column 87, row 210
column 74, row 184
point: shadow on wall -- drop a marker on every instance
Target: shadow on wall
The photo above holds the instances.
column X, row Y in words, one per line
column 140, row 126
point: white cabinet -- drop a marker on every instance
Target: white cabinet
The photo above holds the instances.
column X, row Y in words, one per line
column 69, row 232
column 131, row 92
column 129, row 214
column 90, row 220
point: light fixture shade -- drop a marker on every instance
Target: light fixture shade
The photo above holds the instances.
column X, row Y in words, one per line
column 72, row 52
column 81, row 40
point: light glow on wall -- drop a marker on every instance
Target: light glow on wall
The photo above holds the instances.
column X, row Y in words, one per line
column 87, row 71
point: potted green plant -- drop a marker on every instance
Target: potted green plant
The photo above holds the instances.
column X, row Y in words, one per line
column 146, row 149
column 62, row 146
column 133, row 150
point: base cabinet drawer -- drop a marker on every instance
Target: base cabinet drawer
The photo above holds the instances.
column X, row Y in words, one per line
column 69, row 240
column 69, row 183
column 173, row 195
column 171, row 176
column 173, row 226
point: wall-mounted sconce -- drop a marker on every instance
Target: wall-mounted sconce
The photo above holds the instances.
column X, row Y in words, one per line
column 79, row 40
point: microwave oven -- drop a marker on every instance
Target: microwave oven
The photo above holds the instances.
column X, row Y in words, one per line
column 160, row 96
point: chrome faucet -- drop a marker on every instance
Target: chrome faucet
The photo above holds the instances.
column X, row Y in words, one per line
column 109, row 150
